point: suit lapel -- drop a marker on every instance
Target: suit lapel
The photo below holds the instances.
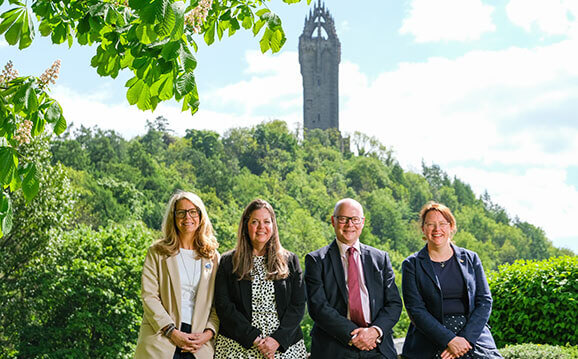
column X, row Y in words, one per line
column 200, row 310
column 246, row 295
column 173, row 269
column 368, row 275
column 338, row 272
column 427, row 266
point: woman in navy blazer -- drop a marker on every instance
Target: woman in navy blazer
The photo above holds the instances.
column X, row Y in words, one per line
column 446, row 295
column 259, row 293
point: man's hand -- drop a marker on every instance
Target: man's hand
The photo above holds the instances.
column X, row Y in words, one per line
column 364, row 338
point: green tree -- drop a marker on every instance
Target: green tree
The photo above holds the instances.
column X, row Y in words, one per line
column 35, row 222
column 152, row 39
column 82, row 296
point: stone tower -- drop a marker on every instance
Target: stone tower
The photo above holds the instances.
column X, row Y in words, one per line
column 319, row 57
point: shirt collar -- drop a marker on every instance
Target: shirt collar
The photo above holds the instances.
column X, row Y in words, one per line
column 344, row 247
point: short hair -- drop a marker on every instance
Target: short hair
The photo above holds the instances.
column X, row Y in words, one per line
column 276, row 255
column 204, row 241
column 443, row 210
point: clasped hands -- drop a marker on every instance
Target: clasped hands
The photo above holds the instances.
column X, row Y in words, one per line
column 267, row 346
column 457, row 347
column 190, row 342
column 364, row 338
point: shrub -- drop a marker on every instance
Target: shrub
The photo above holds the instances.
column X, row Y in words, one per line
column 536, row 302
column 538, row 351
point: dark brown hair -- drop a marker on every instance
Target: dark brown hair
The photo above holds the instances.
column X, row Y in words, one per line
column 275, row 254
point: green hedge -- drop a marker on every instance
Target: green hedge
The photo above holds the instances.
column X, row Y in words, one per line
column 539, row 351
column 536, row 302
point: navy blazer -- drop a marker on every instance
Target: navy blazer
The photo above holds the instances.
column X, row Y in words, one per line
column 327, row 300
column 234, row 308
column 423, row 301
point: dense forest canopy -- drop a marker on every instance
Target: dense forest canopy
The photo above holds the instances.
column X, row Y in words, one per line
column 302, row 176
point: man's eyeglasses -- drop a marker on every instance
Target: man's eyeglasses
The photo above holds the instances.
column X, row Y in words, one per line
column 182, row 213
column 344, row 219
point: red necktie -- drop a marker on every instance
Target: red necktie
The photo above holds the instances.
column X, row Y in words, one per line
column 355, row 308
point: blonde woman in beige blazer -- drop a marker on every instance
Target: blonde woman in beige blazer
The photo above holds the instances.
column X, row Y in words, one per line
column 178, row 280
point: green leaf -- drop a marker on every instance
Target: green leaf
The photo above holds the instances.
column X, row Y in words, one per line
column 163, row 88
column 210, row 35
column 178, row 9
column 5, row 213
column 257, row 27
column 20, row 96
column 131, row 82
column 273, row 21
column 146, row 34
column 13, row 34
column 265, row 42
column 60, row 126
column 188, row 61
column 45, row 28
column 139, row 94
column 31, row 100
column 277, row 40
column 185, row 84
column 247, row 22
column 58, row 33
column 8, row 164
column 53, row 112
column 262, row 12
column 9, row 18
column 170, row 50
column 38, row 127
column 30, row 183
column 154, row 11
column 27, row 33
column 167, row 23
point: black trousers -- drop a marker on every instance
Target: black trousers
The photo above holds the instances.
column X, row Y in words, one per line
column 180, row 354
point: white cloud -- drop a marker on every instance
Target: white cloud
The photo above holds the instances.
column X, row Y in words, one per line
column 274, row 79
column 448, row 20
column 539, row 196
column 3, row 43
column 554, row 17
column 503, row 121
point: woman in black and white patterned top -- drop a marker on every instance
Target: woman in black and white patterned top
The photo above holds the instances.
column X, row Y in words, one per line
column 259, row 293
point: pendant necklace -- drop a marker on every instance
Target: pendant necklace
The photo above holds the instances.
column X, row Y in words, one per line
column 189, row 281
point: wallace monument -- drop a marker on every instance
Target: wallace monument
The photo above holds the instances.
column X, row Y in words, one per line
column 319, row 57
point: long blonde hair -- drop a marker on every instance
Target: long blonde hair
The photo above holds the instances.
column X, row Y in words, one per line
column 275, row 254
column 204, row 241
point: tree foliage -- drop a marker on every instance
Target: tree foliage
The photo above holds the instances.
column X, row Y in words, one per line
column 81, row 296
column 153, row 39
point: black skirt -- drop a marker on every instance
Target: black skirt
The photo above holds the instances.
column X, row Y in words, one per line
column 455, row 323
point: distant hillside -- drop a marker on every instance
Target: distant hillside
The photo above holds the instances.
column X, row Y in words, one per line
column 123, row 180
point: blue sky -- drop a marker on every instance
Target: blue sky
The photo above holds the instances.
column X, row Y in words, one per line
column 488, row 90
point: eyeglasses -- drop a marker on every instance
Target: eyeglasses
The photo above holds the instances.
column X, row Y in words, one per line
column 432, row 225
column 182, row 213
column 344, row 219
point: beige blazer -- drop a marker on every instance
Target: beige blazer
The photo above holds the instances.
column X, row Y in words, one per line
column 161, row 296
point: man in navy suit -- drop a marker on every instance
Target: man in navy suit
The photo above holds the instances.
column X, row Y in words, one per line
column 342, row 328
